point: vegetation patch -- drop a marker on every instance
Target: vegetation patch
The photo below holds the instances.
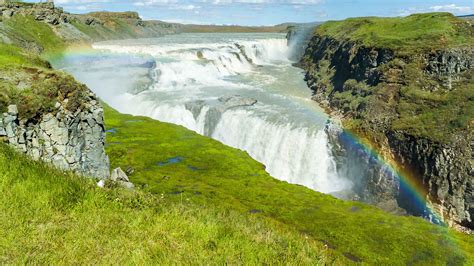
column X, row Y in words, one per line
column 36, row 90
column 52, row 217
column 32, row 35
column 404, row 34
column 231, row 179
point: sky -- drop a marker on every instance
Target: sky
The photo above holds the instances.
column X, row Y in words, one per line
column 265, row 12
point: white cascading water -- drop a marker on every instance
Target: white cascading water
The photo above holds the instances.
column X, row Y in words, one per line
column 296, row 155
column 284, row 130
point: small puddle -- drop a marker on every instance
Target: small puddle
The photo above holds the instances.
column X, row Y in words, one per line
column 112, row 130
column 173, row 160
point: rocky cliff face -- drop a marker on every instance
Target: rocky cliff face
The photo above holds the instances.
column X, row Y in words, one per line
column 47, row 114
column 41, row 12
column 70, row 140
column 97, row 26
column 367, row 87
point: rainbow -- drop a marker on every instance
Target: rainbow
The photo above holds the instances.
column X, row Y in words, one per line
column 412, row 189
column 75, row 51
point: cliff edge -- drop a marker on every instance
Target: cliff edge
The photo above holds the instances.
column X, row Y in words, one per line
column 46, row 113
column 406, row 86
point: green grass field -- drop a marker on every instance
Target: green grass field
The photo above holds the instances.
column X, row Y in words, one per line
column 50, row 217
column 172, row 161
column 214, row 205
column 403, row 34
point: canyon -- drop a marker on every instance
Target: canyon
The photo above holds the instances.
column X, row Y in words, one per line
column 332, row 66
column 383, row 112
column 372, row 88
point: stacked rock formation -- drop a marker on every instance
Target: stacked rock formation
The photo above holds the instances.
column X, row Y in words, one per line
column 70, row 141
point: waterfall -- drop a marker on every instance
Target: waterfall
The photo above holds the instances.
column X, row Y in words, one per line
column 296, row 155
column 237, row 90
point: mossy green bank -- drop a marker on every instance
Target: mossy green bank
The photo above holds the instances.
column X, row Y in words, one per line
column 170, row 160
column 53, row 217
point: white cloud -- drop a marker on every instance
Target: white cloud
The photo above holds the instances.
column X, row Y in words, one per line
column 453, row 8
column 80, row 1
column 262, row 2
column 185, row 7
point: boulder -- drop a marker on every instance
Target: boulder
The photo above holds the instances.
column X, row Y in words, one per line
column 8, row 13
column 119, row 177
column 12, row 110
column 3, row 133
column 237, row 101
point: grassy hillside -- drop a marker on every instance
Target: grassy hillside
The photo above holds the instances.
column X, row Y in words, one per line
column 51, row 217
column 35, row 36
column 404, row 34
column 169, row 160
column 214, row 205
column 101, row 26
column 28, row 81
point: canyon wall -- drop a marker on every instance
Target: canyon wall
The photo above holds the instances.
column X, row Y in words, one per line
column 69, row 140
column 373, row 88
column 84, row 28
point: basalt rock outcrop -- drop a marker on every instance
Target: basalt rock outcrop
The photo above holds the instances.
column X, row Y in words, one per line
column 370, row 87
column 216, row 109
column 44, row 113
column 69, row 140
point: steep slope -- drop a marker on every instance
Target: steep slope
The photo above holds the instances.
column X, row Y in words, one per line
column 170, row 160
column 46, row 113
column 72, row 28
column 406, row 85
column 52, row 217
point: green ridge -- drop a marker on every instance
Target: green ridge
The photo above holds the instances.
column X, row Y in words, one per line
column 419, row 104
column 403, row 34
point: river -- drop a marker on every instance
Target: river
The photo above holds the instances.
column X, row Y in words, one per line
column 238, row 88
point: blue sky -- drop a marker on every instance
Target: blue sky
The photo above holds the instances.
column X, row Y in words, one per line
column 265, row 12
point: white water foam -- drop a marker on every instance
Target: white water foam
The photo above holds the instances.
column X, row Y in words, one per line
column 185, row 72
column 295, row 155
